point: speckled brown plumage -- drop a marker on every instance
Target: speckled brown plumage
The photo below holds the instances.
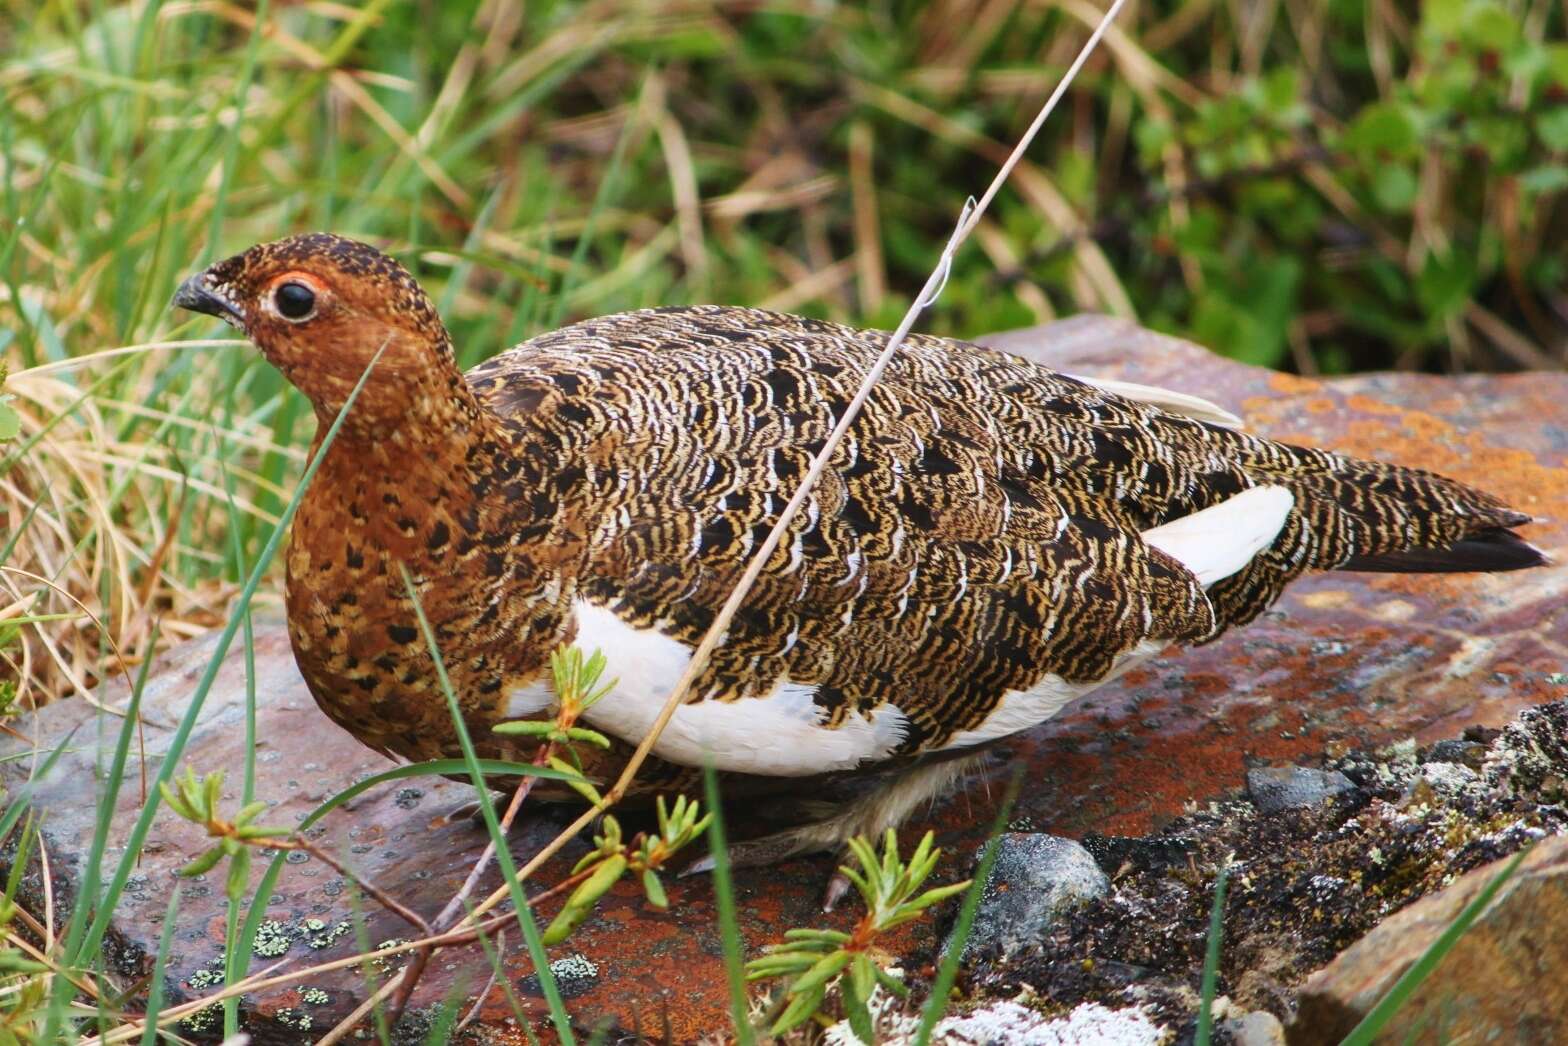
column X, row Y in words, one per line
column 978, row 530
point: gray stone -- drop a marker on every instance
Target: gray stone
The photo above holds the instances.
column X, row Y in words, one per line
column 1254, row 1028
column 1458, row 750
column 1275, row 788
column 1035, row 881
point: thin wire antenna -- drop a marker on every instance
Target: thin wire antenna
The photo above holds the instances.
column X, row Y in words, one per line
column 969, row 218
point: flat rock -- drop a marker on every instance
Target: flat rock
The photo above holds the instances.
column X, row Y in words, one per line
column 1506, row 980
column 1357, row 659
column 1035, row 880
column 1275, row 788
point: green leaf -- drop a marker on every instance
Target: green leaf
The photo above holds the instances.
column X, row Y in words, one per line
column 856, row 988
column 1394, row 186
column 575, row 780
column 830, row 936
column 782, row 962
column 1490, row 27
column 203, row 864
column 798, row 1012
column 239, row 876
column 1444, row 285
column 12, row 962
column 1544, row 180
column 825, row 969
column 891, row 983
column 937, row 894
column 176, row 801
column 249, row 812
column 654, row 889
column 580, row 733
column 214, row 792
column 582, row 900
column 525, row 728
column 1385, row 129
column 1552, row 128
column 10, row 422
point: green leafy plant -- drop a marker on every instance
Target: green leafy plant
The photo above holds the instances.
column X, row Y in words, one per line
column 815, row 960
column 196, row 799
column 577, row 689
column 613, row 856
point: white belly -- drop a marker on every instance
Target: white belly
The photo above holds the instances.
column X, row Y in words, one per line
column 779, row 735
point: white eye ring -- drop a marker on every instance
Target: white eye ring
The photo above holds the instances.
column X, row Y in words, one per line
column 295, row 300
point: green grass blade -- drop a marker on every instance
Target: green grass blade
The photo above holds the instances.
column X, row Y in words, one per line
column 608, row 186
column 724, row 900
column 1378, row 1017
column 111, row 793
column 431, row 768
column 1211, row 959
column 160, row 969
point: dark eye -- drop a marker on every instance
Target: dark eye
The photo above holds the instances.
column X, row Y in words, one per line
column 295, row 301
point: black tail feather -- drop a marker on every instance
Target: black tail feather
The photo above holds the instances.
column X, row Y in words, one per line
column 1484, row 551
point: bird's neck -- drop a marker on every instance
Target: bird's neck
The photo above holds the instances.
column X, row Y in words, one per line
column 399, row 411
column 459, row 509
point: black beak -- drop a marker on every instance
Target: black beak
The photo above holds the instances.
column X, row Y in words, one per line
column 195, row 294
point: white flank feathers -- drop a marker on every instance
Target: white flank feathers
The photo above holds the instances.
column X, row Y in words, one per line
column 1223, row 538
column 779, row 735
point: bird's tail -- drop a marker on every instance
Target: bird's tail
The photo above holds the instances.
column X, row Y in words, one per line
column 1352, row 514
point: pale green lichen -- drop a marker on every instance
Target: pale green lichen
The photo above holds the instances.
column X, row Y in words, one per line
column 318, row 935
column 205, row 1020
column 314, row 996
column 204, row 979
column 385, row 963
column 576, row 966
column 292, row 1018
column 272, row 939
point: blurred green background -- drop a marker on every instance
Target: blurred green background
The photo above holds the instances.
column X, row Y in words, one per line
column 1315, row 186
column 1339, row 185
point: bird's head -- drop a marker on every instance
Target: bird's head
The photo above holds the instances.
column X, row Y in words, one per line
column 320, row 307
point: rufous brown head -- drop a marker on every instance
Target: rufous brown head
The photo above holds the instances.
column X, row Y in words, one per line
column 321, row 307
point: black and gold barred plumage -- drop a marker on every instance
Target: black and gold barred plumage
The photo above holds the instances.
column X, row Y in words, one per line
column 980, row 530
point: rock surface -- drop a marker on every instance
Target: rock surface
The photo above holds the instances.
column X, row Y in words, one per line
column 1035, row 880
column 1345, row 662
column 1275, row 788
column 1506, row 980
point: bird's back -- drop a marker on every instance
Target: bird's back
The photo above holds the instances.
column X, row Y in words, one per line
column 982, row 532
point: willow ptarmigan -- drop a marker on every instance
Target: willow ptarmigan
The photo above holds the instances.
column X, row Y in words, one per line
column 992, row 539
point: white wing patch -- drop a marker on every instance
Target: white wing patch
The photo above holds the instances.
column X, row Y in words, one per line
column 1223, row 538
column 778, row 735
column 1194, row 407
